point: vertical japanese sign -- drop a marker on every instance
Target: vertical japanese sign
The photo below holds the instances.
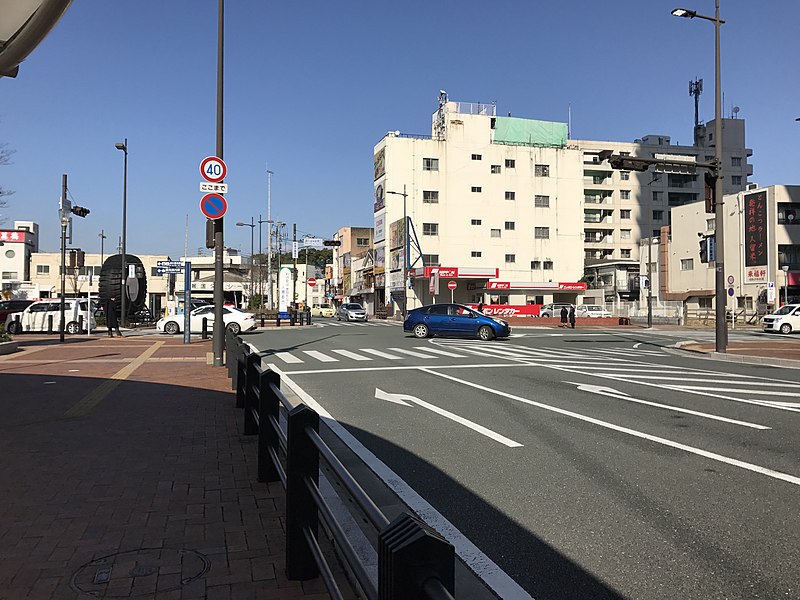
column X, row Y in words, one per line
column 755, row 237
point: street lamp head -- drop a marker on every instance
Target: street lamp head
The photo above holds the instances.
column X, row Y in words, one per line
column 240, row 224
column 121, row 146
column 684, row 12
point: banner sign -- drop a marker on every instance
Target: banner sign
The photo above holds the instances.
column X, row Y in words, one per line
column 755, row 229
column 509, row 310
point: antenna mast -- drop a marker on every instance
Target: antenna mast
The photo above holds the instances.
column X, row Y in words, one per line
column 695, row 89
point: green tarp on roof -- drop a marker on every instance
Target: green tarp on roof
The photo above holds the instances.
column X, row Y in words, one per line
column 528, row 132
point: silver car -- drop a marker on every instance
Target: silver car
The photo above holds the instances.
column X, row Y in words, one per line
column 351, row 311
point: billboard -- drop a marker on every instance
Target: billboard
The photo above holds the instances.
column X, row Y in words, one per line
column 379, row 164
column 380, row 229
column 380, row 197
column 397, row 234
column 380, row 260
column 755, row 237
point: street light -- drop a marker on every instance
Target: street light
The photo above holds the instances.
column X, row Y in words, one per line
column 252, row 226
column 785, row 269
column 124, row 293
column 719, row 281
column 405, row 246
column 261, row 265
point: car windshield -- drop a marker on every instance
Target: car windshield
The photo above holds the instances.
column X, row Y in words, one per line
column 785, row 310
column 353, row 306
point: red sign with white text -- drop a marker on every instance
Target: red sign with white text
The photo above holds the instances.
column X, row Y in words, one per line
column 510, row 310
column 498, row 285
column 580, row 285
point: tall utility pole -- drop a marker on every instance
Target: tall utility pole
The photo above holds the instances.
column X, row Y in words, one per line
column 269, row 240
column 64, row 222
column 218, row 342
column 103, row 236
column 260, row 266
column 294, row 267
column 124, row 294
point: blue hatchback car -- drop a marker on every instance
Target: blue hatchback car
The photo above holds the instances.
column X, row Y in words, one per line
column 455, row 320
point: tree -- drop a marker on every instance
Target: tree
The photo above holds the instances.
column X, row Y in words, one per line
column 5, row 159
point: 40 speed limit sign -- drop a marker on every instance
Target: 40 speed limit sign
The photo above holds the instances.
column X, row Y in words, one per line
column 213, row 169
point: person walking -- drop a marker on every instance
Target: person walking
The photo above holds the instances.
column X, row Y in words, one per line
column 564, row 314
column 111, row 317
column 572, row 317
column 480, row 306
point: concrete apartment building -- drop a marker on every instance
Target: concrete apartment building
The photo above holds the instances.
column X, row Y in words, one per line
column 510, row 209
column 354, row 272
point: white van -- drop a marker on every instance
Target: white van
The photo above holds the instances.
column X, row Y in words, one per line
column 786, row 319
column 35, row 317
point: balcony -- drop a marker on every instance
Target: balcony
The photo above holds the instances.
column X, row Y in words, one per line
column 597, row 199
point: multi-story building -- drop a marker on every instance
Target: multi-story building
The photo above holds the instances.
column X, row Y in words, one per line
column 345, row 284
column 16, row 247
column 509, row 208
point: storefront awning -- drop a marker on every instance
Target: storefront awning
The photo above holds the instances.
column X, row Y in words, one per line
column 536, row 286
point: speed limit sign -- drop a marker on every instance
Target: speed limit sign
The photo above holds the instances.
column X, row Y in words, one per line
column 730, row 280
column 213, row 169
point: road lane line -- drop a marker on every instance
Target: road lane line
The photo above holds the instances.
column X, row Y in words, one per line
column 320, row 356
column 353, row 355
column 441, row 352
column 632, row 432
column 411, row 353
column 287, row 357
column 381, row 354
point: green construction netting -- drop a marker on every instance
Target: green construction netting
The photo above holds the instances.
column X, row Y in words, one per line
column 527, row 132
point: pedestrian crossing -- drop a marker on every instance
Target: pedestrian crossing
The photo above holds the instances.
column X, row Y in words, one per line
column 357, row 324
column 361, row 355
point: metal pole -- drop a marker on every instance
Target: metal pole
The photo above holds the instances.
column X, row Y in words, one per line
column 260, row 263
column 305, row 301
column 721, row 324
column 218, row 342
column 102, row 239
column 124, row 292
column 269, row 241
column 294, row 268
column 64, row 222
column 252, row 284
column 405, row 254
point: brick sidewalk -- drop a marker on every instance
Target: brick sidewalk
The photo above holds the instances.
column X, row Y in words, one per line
column 125, row 475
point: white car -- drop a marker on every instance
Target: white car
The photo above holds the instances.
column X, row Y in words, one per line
column 235, row 320
column 322, row 310
column 592, row 310
column 36, row 316
column 786, row 319
column 351, row 312
column 553, row 310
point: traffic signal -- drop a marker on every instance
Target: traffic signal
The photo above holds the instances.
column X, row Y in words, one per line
column 209, row 233
column 80, row 258
column 73, row 259
column 704, row 250
column 710, row 193
column 332, row 243
column 80, row 211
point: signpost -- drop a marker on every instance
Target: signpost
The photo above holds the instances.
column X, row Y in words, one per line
column 187, row 303
column 213, row 169
column 209, row 187
column 451, row 285
column 311, row 281
column 213, row 206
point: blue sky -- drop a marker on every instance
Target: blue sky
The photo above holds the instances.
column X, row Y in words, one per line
column 310, row 87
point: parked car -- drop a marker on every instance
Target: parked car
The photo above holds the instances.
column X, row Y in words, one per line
column 350, row 311
column 591, row 310
column 554, row 310
column 235, row 320
column 322, row 310
column 12, row 306
column 36, row 316
column 455, row 320
column 786, row 319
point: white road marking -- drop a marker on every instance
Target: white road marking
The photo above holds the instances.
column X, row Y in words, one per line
column 320, row 356
column 287, row 357
column 400, row 398
column 353, row 355
column 632, row 432
column 411, row 353
column 379, row 353
column 442, row 352
column 636, row 345
column 739, row 390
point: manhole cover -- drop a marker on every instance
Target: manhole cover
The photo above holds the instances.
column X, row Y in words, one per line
column 139, row 572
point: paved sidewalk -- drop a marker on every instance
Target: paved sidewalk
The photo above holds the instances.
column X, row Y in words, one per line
column 124, row 474
column 778, row 352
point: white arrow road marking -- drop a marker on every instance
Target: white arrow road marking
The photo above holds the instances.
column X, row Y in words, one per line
column 638, row 344
column 612, row 393
column 646, row 436
column 404, row 399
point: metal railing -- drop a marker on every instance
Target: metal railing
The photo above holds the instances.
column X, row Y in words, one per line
column 414, row 561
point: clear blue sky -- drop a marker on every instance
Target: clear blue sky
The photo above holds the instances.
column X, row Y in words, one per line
column 310, row 87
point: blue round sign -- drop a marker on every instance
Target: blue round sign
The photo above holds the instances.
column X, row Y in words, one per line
column 730, row 291
column 213, row 206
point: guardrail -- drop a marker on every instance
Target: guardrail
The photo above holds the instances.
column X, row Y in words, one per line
column 414, row 561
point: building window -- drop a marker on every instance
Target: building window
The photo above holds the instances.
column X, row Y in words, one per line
column 511, row 195
column 624, row 153
column 511, row 163
column 362, row 241
column 430, row 260
column 736, row 161
column 704, row 303
column 658, row 215
column 510, row 225
column 536, row 265
column 476, row 189
column 541, row 201
column 475, row 254
column 625, row 194
column 624, row 214
column 9, row 275
column 625, row 253
column 430, row 196
column 710, row 158
column 736, row 179
column 624, row 175
column 547, row 265
column 495, row 169
column 476, row 157
column 541, row 233
column 687, row 264
column 430, row 164
column 430, row 229
column 154, row 272
column 495, row 233
column 624, row 234
column 43, row 269
column 711, row 224
column 541, row 170
column 475, row 222
column 656, row 233
column 656, row 196
column 510, row 258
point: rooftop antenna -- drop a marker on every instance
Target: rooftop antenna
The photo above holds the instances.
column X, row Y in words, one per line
column 695, row 89
column 569, row 121
column 735, row 112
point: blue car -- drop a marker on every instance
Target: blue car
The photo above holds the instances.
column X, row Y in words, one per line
column 455, row 320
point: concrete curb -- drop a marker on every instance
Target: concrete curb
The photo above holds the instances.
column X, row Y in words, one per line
column 785, row 363
column 8, row 347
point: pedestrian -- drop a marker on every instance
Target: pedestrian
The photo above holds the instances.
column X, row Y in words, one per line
column 564, row 314
column 111, row 317
column 480, row 306
column 572, row 317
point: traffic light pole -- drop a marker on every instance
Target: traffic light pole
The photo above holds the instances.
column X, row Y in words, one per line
column 64, row 223
column 218, row 341
column 719, row 223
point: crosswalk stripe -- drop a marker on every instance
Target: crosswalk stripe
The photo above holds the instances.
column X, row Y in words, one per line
column 442, row 352
column 353, row 355
column 320, row 356
column 381, row 354
column 288, row 358
column 411, row 353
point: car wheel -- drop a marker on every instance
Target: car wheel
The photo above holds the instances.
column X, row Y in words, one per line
column 338, row 317
column 171, row 327
column 14, row 328
column 421, row 331
column 786, row 328
column 72, row 328
column 485, row 333
column 234, row 328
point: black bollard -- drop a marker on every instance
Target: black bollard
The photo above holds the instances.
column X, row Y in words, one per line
column 205, row 328
column 49, row 324
column 80, row 322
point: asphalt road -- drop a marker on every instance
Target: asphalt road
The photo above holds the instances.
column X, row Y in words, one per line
column 584, row 464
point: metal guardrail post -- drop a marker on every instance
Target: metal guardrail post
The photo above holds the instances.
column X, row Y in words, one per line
column 269, row 405
column 413, row 557
column 241, row 375
column 302, row 463
column 252, row 364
